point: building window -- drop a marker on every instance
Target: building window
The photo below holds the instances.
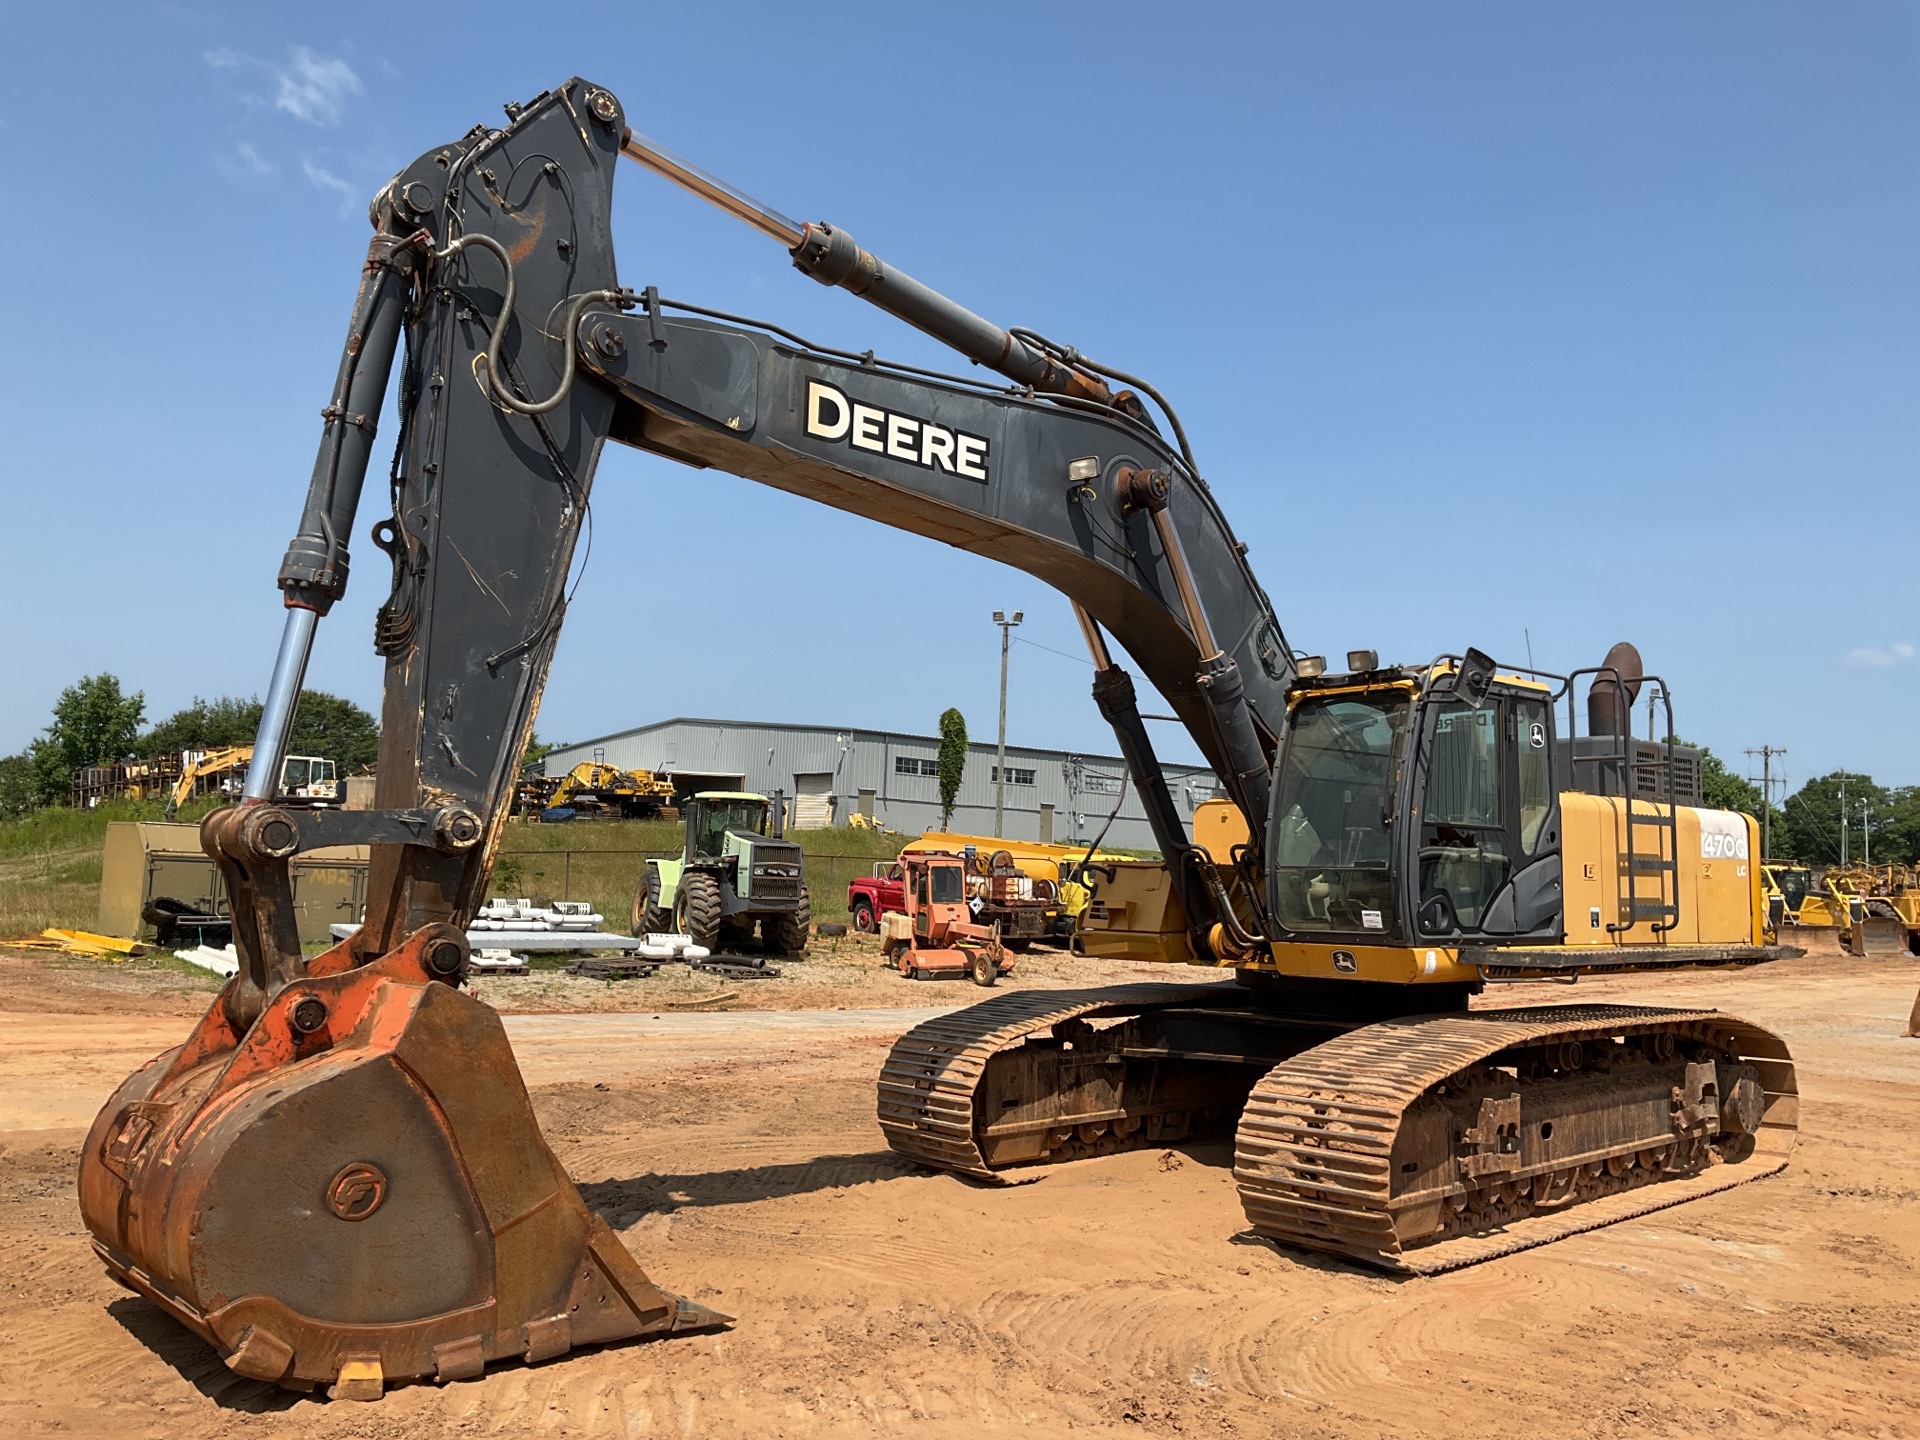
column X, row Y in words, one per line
column 1015, row 776
column 1094, row 782
column 914, row 765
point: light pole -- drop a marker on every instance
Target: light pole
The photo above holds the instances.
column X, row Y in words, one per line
column 1000, row 766
column 1866, row 835
column 1843, row 817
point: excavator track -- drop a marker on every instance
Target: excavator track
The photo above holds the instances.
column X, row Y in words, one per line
column 931, row 1083
column 1418, row 1145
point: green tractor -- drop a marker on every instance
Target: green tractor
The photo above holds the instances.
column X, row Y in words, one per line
column 735, row 868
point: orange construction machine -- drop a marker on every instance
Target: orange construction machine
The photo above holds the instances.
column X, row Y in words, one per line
column 937, row 938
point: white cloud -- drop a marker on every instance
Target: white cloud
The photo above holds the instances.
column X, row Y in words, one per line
column 325, row 179
column 314, row 88
column 1872, row 658
column 224, row 59
column 244, row 162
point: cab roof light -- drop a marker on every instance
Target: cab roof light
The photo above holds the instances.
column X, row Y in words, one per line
column 1358, row 660
column 1310, row 667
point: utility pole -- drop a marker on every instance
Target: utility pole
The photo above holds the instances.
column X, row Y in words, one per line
column 1766, row 754
column 1843, row 817
column 1866, row 835
column 1000, row 766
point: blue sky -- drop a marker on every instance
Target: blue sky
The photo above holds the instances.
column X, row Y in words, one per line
column 1492, row 324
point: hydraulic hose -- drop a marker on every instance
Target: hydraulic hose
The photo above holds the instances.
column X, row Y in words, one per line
column 487, row 364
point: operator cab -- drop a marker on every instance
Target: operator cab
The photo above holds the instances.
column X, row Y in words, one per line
column 1786, row 887
column 308, row 779
column 1419, row 805
column 715, row 815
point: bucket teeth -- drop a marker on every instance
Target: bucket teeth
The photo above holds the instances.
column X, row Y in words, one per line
column 689, row 1315
column 360, row 1206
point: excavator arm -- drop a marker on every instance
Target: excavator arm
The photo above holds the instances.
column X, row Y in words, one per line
column 523, row 355
column 338, row 1178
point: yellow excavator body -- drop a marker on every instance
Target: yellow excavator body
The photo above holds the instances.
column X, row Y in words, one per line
column 1724, row 899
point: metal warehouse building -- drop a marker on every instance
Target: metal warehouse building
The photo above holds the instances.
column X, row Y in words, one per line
column 1051, row 795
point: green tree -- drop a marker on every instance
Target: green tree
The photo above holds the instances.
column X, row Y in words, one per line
column 18, row 793
column 536, row 752
column 335, row 728
column 1722, row 789
column 205, row 725
column 1902, row 833
column 953, row 761
column 94, row 722
column 1812, row 816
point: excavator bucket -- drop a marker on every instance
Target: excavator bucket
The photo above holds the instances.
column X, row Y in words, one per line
column 352, row 1190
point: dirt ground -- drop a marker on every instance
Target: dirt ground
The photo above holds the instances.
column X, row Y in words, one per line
column 738, row 1155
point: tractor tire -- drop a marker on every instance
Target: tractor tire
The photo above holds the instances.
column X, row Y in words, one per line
column 864, row 919
column 649, row 916
column 787, row 934
column 984, row 969
column 699, row 908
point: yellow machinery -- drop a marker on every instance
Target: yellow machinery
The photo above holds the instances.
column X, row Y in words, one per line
column 1427, row 833
column 338, row 1178
column 1727, row 902
column 1882, row 907
column 595, row 788
column 1874, row 908
column 302, row 777
column 1788, row 888
column 1058, row 866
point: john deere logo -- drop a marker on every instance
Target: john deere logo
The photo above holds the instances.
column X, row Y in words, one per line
column 1344, row 962
column 357, row 1191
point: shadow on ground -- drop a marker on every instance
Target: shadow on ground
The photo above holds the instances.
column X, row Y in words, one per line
column 620, row 1202
column 199, row 1363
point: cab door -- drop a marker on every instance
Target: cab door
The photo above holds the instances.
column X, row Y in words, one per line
column 1484, row 828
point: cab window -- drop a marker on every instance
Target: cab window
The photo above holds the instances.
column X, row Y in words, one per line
column 1332, row 801
column 1464, row 847
column 1536, row 777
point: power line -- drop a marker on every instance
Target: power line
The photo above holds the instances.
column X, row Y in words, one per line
column 1022, row 640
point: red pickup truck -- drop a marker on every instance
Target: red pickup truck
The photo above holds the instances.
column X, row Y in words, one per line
column 1023, row 906
column 871, row 896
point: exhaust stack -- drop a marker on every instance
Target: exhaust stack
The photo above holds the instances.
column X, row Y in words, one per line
column 1611, row 696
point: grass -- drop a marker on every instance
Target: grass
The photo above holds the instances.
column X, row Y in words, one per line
column 50, row 862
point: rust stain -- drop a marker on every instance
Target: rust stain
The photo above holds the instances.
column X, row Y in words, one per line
column 535, row 220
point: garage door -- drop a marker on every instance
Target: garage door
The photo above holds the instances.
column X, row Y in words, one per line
column 812, row 801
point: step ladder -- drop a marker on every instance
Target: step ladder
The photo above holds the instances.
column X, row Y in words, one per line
column 1650, row 866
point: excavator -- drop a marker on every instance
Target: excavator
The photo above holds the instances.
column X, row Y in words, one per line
column 595, row 788
column 306, row 778
column 337, row 1180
